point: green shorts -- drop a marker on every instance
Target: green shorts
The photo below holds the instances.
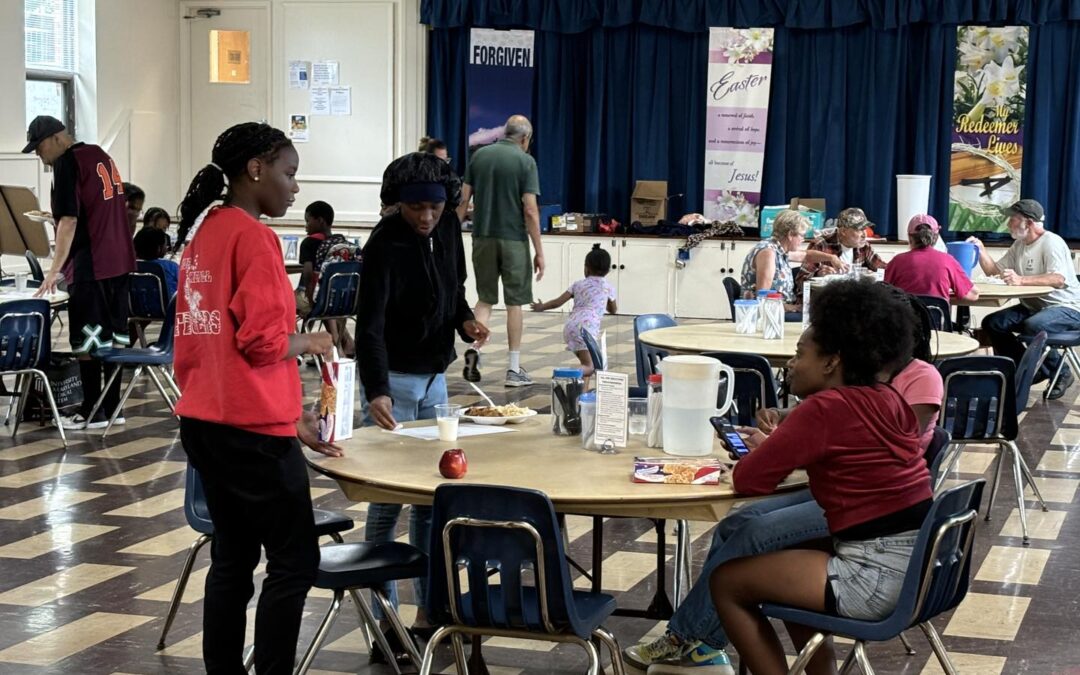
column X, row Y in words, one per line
column 505, row 259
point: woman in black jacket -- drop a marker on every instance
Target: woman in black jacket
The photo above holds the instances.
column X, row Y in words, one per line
column 412, row 305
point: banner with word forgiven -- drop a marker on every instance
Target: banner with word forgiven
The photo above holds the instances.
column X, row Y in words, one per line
column 499, row 81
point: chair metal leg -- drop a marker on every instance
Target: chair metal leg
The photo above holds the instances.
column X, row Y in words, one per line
column 861, row 658
column 181, row 585
column 849, row 663
column 52, row 404
column 939, row 648
column 907, row 645
column 1054, row 378
column 123, row 399
column 998, row 461
column 101, row 398
column 151, row 371
column 364, row 627
column 612, row 644
column 249, row 658
column 403, row 634
column 433, row 644
column 807, row 653
column 461, row 662
column 1029, row 478
column 380, row 639
column 320, row 635
column 953, row 452
column 23, row 390
column 594, row 657
column 169, row 378
column 1018, row 480
column 682, row 562
column 14, row 397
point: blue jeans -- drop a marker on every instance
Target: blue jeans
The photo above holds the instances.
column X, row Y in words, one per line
column 415, row 398
column 1003, row 325
column 763, row 526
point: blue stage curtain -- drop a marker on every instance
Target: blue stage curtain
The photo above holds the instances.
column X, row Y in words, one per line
column 861, row 91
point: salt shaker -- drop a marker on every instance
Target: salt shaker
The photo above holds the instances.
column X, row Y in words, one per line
column 567, row 384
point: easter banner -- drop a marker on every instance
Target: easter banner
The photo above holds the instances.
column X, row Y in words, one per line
column 740, row 67
column 988, row 126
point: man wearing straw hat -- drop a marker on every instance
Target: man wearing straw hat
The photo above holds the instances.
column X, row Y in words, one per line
column 1037, row 257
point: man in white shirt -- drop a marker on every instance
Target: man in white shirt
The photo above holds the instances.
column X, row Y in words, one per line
column 1036, row 258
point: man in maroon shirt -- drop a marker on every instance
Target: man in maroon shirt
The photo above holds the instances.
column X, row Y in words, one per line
column 93, row 251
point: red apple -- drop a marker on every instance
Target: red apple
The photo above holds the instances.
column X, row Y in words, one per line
column 453, row 463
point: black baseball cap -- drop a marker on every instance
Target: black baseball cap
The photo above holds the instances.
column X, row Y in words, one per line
column 41, row 128
column 1028, row 208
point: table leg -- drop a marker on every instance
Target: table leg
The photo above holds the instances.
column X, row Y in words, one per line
column 597, row 553
column 476, row 659
column 660, row 607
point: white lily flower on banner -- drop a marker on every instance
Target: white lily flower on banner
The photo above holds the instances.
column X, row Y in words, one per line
column 1000, row 82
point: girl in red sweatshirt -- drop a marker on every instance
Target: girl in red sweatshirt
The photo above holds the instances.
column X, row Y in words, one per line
column 240, row 412
column 858, row 441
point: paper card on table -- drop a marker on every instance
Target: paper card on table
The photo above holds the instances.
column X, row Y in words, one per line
column 320, row 101
column 464, row 430
column 612, row 396
column 324, row 73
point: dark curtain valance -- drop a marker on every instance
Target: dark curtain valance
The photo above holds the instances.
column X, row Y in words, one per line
column 695, row 16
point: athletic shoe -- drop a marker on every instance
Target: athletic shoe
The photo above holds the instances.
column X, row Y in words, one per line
column 669, row 654
column 102, row 422
column 518, row 378
column 1063, row 383
column 472, row 366
column 74, row 422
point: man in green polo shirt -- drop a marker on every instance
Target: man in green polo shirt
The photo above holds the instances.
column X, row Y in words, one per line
column 502, row 180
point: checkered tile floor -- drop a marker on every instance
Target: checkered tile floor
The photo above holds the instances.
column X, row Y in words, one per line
column 92, row 538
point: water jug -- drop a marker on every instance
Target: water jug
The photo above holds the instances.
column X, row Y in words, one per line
column 690, row 398
column 966, row 254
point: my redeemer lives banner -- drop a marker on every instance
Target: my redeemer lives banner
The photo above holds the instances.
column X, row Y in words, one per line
column 740, row 66
column 500, row 81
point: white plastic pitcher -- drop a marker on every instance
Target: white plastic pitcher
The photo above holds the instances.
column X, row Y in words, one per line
column 691, row 388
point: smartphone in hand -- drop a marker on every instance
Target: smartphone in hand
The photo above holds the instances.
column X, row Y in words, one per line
column 730, row 437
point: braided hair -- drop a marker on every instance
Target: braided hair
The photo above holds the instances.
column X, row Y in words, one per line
column 233, row 149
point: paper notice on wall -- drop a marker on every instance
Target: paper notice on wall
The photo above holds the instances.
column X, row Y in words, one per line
column 612, row 394
column 298, row 128
column 320, row 101
column 324, row 73
column 340, row 101
column 299, row 72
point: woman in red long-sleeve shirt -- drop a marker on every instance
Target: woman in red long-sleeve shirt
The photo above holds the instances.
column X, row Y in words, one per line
column 241, row 409
column 858, row 441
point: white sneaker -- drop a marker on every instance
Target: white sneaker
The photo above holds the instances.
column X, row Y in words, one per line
column 73, row 422
column 104, row 422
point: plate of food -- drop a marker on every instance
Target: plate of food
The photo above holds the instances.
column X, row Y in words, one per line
column 39, row 216
column 497, row 415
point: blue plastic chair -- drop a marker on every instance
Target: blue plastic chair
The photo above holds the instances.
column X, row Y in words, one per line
column 935, row 452
column 940, row 311
column 147, row 297
column 328, row 523
column 337, row 295
column 980, row 407
column 593, row 349
column 734, row 291
column 25, row 347
column 155, row 360
column 480, row 530
column 646, row 366
column 936, row 581
column 755, row 385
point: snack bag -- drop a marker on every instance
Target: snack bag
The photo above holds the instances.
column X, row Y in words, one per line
column 680, row 471
column 336, row 399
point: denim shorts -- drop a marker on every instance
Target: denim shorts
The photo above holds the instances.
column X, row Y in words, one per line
column 865, row 576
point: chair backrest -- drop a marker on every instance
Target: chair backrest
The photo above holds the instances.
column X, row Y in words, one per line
column 642, row 323
column 24, row 334
column 36, row 273
column 339, row 290
column 940, row 311
column 733, row 290
column 1025, row 370
column 506, row 542
column 939, row 573
column 195, row 509
column 167, row 337
column 755, row 386
column 147, row 292
column 980, row 397
column 935, row 452
column 594, row 349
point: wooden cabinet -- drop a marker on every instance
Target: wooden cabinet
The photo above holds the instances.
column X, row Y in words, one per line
column 646, row 275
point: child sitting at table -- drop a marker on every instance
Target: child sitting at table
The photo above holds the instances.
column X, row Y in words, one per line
column 592, row 296
column 151, row 245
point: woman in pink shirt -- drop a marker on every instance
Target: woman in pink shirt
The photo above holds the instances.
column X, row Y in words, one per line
column 925, row 270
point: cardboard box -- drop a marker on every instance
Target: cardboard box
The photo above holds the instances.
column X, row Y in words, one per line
column 579, row 223
column 547, row 213
column 648, row 204
column 812, row 208
column 336, row 399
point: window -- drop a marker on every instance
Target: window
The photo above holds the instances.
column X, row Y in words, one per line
column 50, row 59
column 230, row 54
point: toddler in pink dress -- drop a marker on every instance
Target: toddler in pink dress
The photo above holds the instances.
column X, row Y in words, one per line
column 592, row 296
